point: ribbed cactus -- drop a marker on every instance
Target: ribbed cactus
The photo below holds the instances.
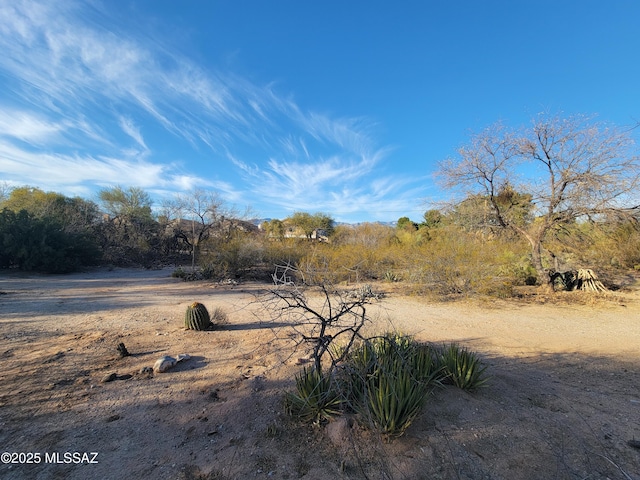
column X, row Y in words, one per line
column 197, row 317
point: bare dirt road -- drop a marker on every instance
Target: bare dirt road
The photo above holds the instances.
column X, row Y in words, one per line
column 563, row 401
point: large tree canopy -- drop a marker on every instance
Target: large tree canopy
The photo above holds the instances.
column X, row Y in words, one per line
column 565, row 169
column 131, row 203
column 311, row 224
column 74, row 215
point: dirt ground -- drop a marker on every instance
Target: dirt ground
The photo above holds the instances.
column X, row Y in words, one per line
column 563, row 401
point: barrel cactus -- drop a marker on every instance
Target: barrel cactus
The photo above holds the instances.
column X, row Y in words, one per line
column 197, row 317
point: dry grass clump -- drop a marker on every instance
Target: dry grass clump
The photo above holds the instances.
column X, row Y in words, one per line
column 219, row 317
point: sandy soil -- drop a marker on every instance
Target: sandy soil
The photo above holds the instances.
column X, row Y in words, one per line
column 563, row 401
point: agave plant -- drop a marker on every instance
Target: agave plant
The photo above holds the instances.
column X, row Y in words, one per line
column 315, row 398
column 463, row 368
column 419, row 359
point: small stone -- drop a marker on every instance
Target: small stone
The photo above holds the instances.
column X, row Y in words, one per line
column 164, row 364
column 122, row 350
column 339, row 431
column 109, row 378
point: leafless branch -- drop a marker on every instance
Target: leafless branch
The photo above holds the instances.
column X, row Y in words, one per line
column 327, row 321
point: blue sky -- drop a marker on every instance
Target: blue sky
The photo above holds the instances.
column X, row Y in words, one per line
column 343, row 107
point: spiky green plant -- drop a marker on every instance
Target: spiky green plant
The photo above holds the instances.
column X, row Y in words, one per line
column 419, row 359
column 388, row 379
column 393, row 399
column 197, row 317
column 391, row 277
column 462, row 368
column 315, row 398
column 425, row 365
column 358, row 364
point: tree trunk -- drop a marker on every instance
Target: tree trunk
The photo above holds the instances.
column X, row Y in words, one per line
column 535, row 241
column 536, row 258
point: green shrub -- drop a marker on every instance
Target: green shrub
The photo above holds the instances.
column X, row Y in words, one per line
column 385, row 379
column 41, row 244
column 315, row 398
column 179, row 273
column 462, row 368
column 393, row 399
column 391, row 277
column 448, row 261
column 232, row 257
column 388, row 380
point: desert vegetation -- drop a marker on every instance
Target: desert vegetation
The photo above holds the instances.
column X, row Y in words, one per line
column 531, row 207
column 384, row 379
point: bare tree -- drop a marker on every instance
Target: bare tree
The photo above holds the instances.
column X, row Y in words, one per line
column 570, row 169
column 5, row 191
column 197, row 214
column 330, row 318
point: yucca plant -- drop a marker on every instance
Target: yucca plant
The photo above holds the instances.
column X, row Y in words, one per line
column 363, row 361
column 462, row 368
column 358, row 364
column 425, row 365
column 391, row 277
column 315, row 398
column 389, row 379
column 393, row 398
column 419, row 359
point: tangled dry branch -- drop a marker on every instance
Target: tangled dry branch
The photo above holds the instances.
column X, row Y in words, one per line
column 320, row 315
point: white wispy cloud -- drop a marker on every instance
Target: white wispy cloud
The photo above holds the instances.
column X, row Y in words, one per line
column 133, row 131
column 41, row 168
column 88, row 82
column 27, row 127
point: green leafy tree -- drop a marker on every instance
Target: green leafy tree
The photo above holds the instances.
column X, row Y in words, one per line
column 274, row 229
column 433, row 219
column 47, row 231
column 132, row 203
column 313, row 224
column 74, row 215
column 31, row 243
column 131, row 235
column 405, row 223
